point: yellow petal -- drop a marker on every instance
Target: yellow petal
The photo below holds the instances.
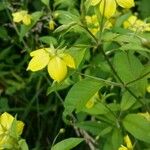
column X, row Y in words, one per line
column 68, row 59
column 51, row 25
column 17, row 16
column 57, row 69
column 130, row 22
column 126, row 3
column 122, row 148
column 20, row 126
column 108, row 8
column 94, row 30
column 89, row 104
column 27, row 19
column 88, row 19
column 94, row 2
column 39, row 61
column 3, row 140
column 40, row 51
column 6, row 120
column 128, row 142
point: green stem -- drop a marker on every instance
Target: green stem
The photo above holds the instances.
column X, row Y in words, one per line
column 100, row 79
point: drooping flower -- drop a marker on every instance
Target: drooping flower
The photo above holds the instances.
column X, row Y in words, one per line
column 56, row 62
column 108, row 7
column 22, row 16
column 135, row 24
column 128, row 144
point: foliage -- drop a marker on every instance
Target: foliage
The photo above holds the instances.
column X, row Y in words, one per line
column 96, row 90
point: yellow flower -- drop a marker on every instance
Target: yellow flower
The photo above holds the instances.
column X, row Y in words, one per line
column 123, row 148
column 7, row 128
column 55, row 61
column 22, row 16
column 90, row 103
column 6, row 121
column 128, row 144
column 51, row 25
column 108, row 7
column 135, row 24
column 40, row 59
column 93, row 24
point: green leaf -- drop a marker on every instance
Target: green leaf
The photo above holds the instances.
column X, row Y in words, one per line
column 134, row 47
column 67, row 144
column 66, row 17
column 48, row 40
column 97, row 109
column 91, row 126
column 94, row 127
column 101, row 109
column 117, row 138
column 59, row 86
column 80, row 93
column 138, row 126
column 127, row 101
column 129, row 68
column 23, row 145
column 121, row 19
column 78, row 54
column 46, row 2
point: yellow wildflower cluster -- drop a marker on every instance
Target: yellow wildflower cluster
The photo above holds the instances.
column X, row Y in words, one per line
column 135, row 24
column 22, row 16
column 55, row 60
column 128, row 143
column 10, row 131
column 108, row 7
column 93, row 24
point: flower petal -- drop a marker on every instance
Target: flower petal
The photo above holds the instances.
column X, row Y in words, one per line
column 108, row 8
column 130, row 22
column 39, row 61
column 126, row 3
column 20, row 126
column 6, row 120
column 38, row 52
column 89, row 104
column 27, row 19
column 68, row 59
column 128, row 142
column 94, row 2
column 57, row 69
column 122, row 148
column 17, row 16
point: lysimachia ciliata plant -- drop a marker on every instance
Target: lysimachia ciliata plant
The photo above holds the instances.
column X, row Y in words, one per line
column 99, row 51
